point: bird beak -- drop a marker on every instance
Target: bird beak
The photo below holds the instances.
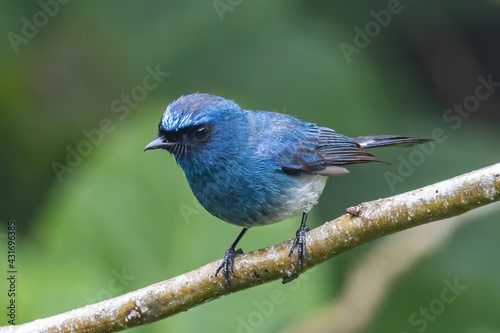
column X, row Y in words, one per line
column 158, row 143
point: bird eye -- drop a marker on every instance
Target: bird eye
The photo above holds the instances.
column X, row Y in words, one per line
column 201, row 133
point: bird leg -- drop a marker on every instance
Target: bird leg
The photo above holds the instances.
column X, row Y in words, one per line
column 300, row 240
column 228, row 261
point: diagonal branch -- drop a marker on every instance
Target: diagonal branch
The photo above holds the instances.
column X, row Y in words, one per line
column 366, row 222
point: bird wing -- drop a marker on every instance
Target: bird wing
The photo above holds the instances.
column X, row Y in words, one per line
column 323, row 151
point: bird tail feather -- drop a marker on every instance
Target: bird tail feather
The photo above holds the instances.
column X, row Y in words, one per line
column 388, row 140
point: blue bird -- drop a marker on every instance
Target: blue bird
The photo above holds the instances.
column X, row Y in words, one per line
column 252, row 168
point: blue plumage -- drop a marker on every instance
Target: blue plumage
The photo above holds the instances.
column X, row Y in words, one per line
column 252, row 168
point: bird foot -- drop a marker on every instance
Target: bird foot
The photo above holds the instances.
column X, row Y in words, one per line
column 228, row 264
column 300, row 244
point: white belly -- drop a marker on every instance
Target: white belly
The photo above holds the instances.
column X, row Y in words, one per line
column 302, row 198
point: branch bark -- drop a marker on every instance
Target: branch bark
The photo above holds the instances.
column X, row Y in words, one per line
column 366, row 222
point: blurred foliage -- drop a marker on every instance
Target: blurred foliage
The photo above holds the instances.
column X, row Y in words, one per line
column 122, row 219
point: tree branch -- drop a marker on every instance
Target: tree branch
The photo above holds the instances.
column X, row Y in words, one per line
column 366, row 222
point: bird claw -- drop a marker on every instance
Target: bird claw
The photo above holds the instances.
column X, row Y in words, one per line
column 300, row 244
column 227, row 265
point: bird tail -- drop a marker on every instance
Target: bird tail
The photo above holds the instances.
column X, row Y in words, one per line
column 388, row 140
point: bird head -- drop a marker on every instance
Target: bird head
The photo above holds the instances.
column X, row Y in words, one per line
column 190, row 123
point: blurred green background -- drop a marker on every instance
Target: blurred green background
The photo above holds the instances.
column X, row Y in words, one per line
column 74, row 77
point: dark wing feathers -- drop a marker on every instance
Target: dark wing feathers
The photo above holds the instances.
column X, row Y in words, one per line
column 331, row 151
column 323, row 151
column 346, row 155
column 338, row 149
